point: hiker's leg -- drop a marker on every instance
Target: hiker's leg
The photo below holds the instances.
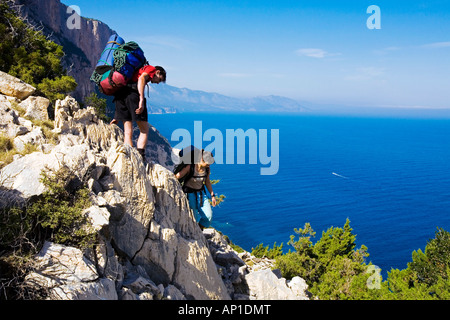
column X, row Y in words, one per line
column 143, row 137
column 193, row 205
column 128, row 132
column 205, row 213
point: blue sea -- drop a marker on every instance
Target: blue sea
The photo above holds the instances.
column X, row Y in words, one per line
column 389, row 176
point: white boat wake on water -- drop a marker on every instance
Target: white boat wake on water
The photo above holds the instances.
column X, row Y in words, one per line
column 340, row 176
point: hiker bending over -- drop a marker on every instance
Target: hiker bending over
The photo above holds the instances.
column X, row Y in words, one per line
column 194, row 187
column 131, row 105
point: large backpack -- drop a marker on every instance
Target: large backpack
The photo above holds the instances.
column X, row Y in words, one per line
column 107, row 56
column 188, row 156
column 117, row 65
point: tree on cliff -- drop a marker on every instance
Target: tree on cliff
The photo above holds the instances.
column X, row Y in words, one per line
column 28, row 55
column 334, row 269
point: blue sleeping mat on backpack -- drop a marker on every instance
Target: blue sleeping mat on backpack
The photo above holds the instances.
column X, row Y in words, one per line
column 107, row 56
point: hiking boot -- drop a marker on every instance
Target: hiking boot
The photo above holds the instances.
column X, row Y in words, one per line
column 142, row 153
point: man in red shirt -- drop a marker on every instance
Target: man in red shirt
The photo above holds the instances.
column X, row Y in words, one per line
column 131, row 105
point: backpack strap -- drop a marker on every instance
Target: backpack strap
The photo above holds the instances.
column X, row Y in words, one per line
column 190, row 173
column 110, row 80
column 190, row 190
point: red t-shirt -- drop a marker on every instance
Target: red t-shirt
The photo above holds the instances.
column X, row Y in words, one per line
column 150, row 70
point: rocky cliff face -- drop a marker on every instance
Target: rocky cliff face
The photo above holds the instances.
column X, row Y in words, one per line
column 149, row 245
column 82, row 45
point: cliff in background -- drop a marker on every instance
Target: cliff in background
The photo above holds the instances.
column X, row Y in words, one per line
column 82, row 47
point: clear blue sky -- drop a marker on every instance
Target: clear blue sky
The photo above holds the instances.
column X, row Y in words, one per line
column 318, row 51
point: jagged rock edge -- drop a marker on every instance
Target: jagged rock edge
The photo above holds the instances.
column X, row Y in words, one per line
column 67, row 125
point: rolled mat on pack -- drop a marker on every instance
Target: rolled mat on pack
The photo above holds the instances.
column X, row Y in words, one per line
column 106, row 61
column 107, row 56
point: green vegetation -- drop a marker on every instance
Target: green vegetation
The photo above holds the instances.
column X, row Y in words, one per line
column 7, row 150
column 264, row 252
column 6, row 144
column 219, row 199
column 56, row 216
column 28, row 55
column 100, row 106
column 334, row 269
column 59, row 210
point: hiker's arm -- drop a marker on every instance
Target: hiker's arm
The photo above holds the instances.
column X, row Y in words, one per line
column 183, row 172
column 210, row 189
column 143, row 79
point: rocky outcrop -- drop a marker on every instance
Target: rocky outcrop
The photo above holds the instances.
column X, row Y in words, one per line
column 14, row 87
column 265, row 285
column 140, row 211
column 17, row 95
column 249, row 278
column 149, row 246
column 70, row 275
column 36, row 108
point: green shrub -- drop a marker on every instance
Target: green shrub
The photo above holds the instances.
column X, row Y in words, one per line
column 59, row 210
column 7, row 150
column 332, row 267
column 56, row 216
column 28, row 55
column 427, row 276
column 6, row 144
column 56, row 88
column 264, row 252
column 433, row 264
column 100, row 105
column 335, row 270
column 293, row 265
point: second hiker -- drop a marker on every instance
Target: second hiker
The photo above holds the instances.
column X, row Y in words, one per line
column 131, row 105
column 196, row 177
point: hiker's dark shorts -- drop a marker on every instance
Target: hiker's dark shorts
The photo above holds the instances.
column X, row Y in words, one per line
column 127, row 102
